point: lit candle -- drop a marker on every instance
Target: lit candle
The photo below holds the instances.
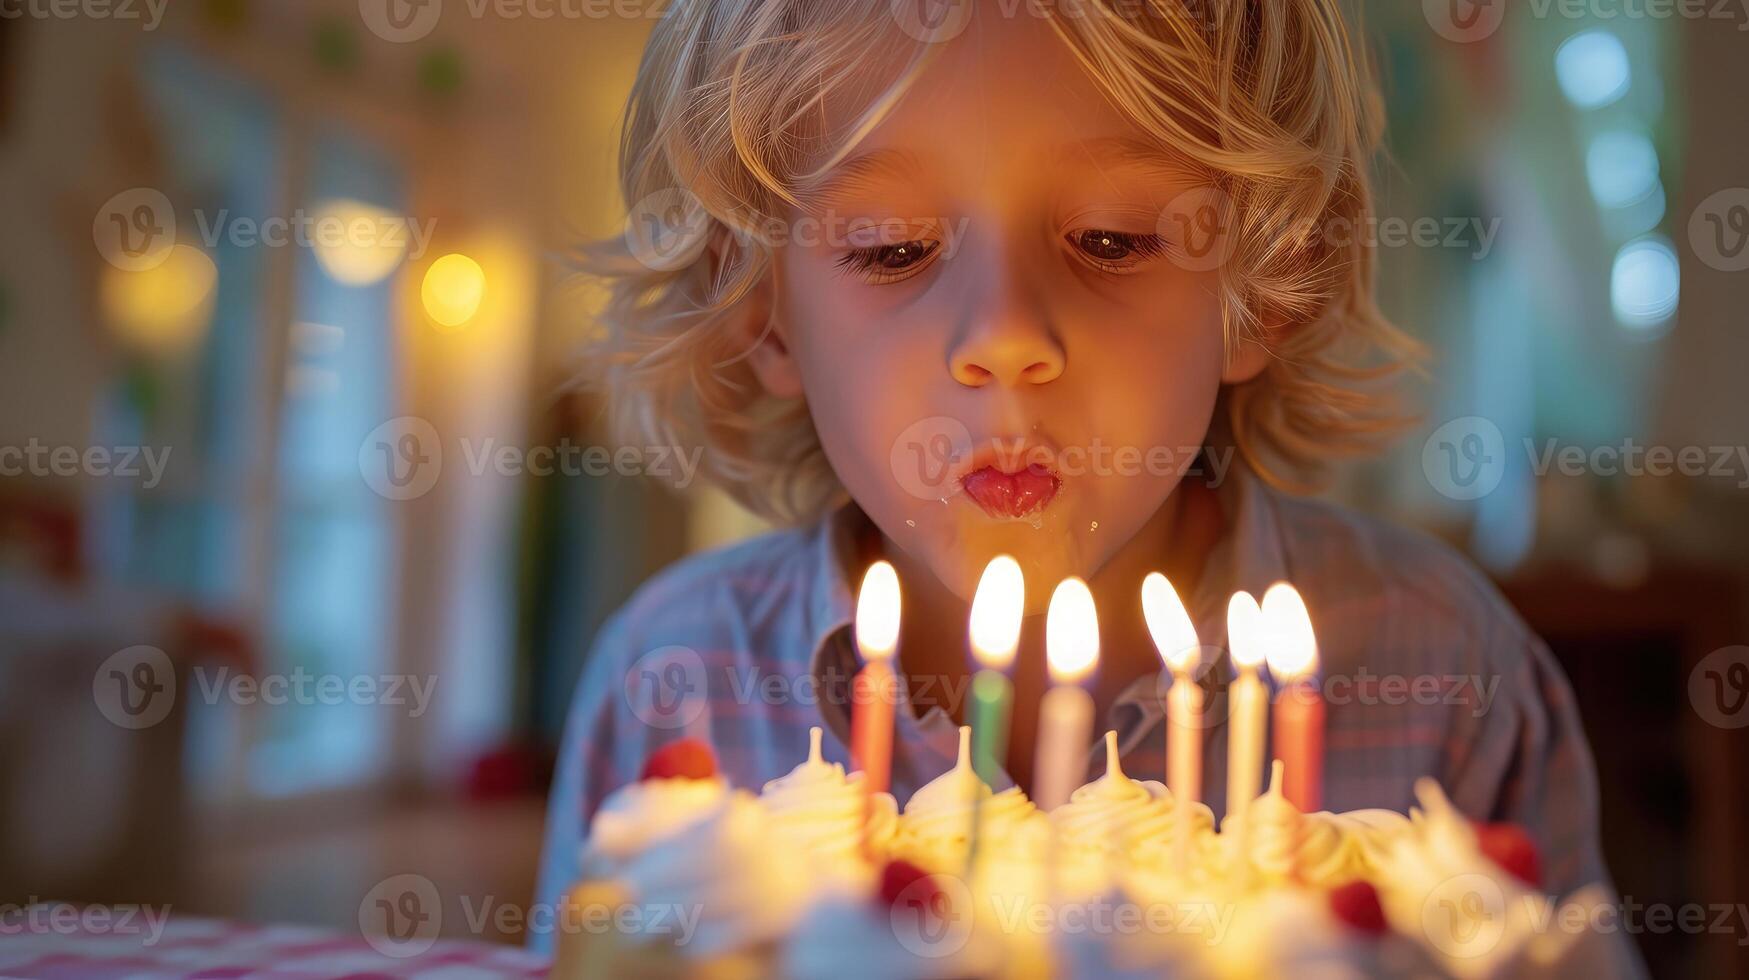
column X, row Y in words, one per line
column 1065, row 720
column 1245, row 699
column 1299, row 708
column 1176, row 639
column 876, row 686
column 997, row 609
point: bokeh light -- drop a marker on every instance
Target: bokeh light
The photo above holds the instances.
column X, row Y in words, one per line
column 1645, row 283
column 164, row 309
column 1622, row 167
column 359, row 243
column 453, row 289
column 1593, row 69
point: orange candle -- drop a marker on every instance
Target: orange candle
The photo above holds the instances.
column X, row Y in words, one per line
column 875, row 689
column 1299, row 707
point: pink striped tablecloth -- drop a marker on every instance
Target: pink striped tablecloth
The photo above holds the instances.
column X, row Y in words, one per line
column 211, row 949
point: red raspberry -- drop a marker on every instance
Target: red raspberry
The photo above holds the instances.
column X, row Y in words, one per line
column 688, row 758
column 1357, row 903
column 1510, row 846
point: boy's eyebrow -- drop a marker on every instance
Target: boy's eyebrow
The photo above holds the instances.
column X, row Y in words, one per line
column 1128, row 153
column 865, row 169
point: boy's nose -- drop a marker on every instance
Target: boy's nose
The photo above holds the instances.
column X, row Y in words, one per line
column 1012, row 344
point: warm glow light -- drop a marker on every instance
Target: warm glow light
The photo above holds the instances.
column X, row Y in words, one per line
column 997, row 608
column 452, row 289
column 1247, row 634
column 366, row 244
column 1293, row 649
column 164, row 309
column 1071, row 632
column 1169, row 624
column 877, row 612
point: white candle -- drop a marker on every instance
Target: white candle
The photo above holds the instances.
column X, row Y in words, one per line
column 1247, row 700
column 1065, row 722
column 1176, row 640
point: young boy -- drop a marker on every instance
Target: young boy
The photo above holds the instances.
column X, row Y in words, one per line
column 1059, row 282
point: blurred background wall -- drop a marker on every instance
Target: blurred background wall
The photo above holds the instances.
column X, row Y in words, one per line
column 1565, row 220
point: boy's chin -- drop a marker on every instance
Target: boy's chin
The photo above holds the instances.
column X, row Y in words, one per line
column 1044, row 560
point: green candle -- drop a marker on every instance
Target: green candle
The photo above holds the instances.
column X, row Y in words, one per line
column 997, row 608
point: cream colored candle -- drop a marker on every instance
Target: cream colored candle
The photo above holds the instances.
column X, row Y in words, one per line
column 1247, row 701
column 1065, row 724
column 1176, row 639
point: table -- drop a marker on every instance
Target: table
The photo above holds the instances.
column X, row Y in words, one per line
column 95, row 944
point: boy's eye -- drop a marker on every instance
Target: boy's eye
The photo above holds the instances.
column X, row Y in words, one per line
column 1116, row 250
column 889, row 263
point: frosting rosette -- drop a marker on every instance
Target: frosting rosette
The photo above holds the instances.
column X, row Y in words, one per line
column 936, row 828
column 825, row 812
column 723, row 869
column 640, row 815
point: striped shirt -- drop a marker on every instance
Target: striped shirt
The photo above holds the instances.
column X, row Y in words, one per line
column 1426, row 671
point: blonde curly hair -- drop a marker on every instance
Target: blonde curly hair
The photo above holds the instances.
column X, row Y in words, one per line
column 725, row 128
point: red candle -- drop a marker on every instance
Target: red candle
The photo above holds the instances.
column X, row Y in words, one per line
column 1299, row 706
column 875, row 689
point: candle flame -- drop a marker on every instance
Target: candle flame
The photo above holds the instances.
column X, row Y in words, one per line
column 1169, row 624
column 1247, row 633
column 1293, row 650
column 997, row 608
column 877, row 612
column 1071, row 632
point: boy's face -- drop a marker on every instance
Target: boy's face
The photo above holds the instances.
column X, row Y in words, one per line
column 1025, row 355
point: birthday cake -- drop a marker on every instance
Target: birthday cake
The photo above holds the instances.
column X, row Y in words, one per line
column 815, row 877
